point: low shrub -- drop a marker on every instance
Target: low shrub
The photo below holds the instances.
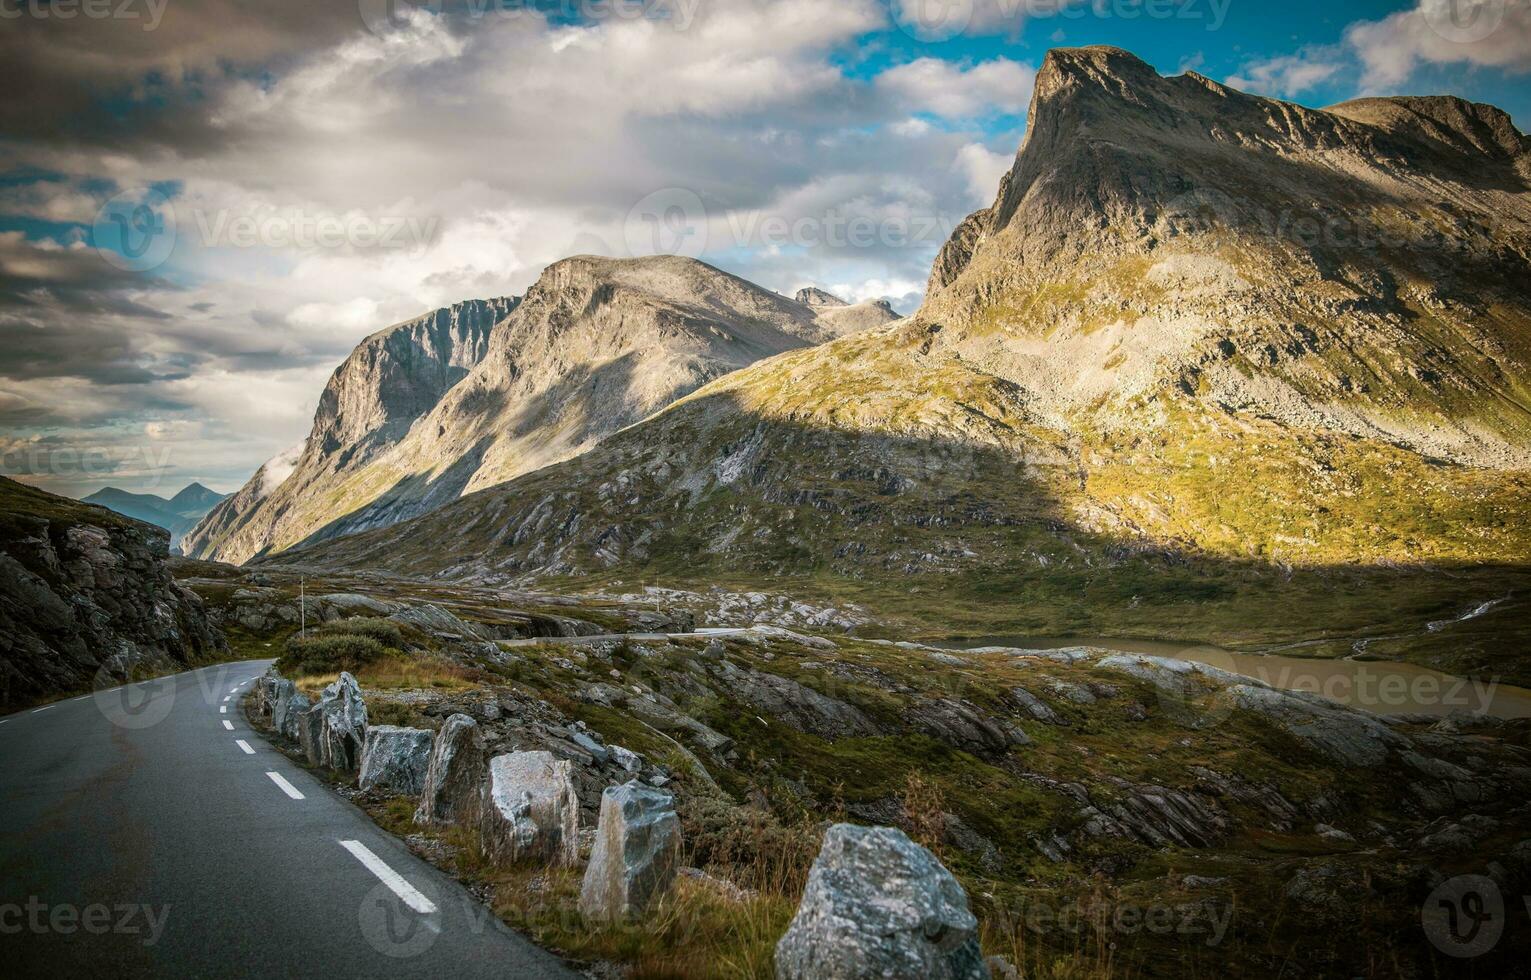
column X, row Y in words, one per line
column 320, row 653
column 383, row 631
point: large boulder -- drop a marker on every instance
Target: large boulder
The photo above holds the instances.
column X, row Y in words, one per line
column 345, row 723
column 531, row 809
column 637, row 846
column 395, row 758
column 453, row 779
column 287, row 710
column 310, row 725
column 879, row 905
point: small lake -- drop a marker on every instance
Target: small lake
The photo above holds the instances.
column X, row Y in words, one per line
column 1380, row 686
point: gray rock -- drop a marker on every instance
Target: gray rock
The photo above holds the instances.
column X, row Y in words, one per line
column 637, row 846
column 396, row 758
column 436, row 621
column 1343, row 735
column 800, row 706
column 531, row 809
column 344, row 713
column 310, row 725
column 455, row 774
column 598, row 752
column 286, row 712
column 1035, row 707
column 879, row 905
column 962, row 725
column 626, row 758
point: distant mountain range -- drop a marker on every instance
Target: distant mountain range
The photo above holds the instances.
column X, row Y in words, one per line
column 177, row 515
column 477, row 393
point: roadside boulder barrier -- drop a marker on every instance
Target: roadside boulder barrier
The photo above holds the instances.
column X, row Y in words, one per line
column 637, row 848
column 287, row 710
column 454, row 775
column 531, row 809
column 310, row 725
column 396, row 759
column 879, row 905
column 344, row 713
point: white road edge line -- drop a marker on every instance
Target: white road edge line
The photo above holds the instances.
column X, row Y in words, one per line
column 236, row 687
column 287, row 787
column 408, row 894
column 244, row 745
column 44, row 708
column 228, row 725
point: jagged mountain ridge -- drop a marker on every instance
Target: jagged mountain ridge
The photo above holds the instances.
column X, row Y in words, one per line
column 1119, row 349
column 595, row 345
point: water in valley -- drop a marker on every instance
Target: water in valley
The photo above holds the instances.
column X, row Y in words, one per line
column 1384, row 687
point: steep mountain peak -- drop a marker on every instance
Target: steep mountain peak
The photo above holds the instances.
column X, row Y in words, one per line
column 195, row 495
column 814, row 296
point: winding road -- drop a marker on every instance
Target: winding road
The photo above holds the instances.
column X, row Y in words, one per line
column 146, row 830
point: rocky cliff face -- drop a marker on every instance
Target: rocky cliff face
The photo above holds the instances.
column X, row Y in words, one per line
column 387, row 383
column 85, row 596
column 433, row 409
column 1193, row 321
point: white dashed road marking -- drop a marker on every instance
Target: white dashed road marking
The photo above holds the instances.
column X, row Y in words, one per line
column 408, row 894
column 43, row 708
column 244, row 745
column 228, row 725
column 223, row 710
column 287, row 787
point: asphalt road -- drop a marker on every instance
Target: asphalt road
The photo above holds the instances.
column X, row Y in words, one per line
column 139, row 838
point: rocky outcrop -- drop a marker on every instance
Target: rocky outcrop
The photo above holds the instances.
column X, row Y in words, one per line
column 86, row 596
column 343, row 716
column 395, row 759
column 531, row 809
column 637, row 847
column 454, row 777
column 879, row 905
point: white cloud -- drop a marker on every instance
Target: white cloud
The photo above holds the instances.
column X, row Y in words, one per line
column 983, row 169
column 515, row 143
column 1288, row 76
column 957, row 91
column 1488, row 33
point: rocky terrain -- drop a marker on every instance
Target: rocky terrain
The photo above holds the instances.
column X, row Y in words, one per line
column 1207, row 358
column 470, row 396
column 178, row 514
column 87, row 598
column 1271, row 830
